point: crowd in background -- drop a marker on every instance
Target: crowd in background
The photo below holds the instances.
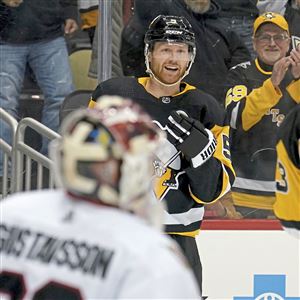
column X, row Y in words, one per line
column 224, row 39
column 205, row 94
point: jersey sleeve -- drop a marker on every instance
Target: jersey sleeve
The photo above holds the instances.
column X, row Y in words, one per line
column 244, row 105
column 287, row 205
column 217, row 174
column 294, row 90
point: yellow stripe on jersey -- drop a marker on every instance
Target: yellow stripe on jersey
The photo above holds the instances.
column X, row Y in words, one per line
column 143, row 81
column 92, row 103
column 222, row 154
column 294, row 90
column 287, row 205
column 253, row 201
column 190, row 233
column 262, row 70
column 255, row 107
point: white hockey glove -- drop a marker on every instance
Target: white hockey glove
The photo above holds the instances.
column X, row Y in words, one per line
column 190, row 137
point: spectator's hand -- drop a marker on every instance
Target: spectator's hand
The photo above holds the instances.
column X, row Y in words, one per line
column 279, row 70
column 295, row 62
column 190, row 137
column 12, row 3
column 70, row 26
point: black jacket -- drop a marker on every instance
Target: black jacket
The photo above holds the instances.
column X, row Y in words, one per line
column 236, row 8
column 217, row 49
column 35, row 20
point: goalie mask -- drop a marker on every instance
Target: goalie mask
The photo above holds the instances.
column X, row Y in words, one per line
column 170, row 29
column 106, row 155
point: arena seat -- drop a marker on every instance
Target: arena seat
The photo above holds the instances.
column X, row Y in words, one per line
column 73, row 101
column 80, row 60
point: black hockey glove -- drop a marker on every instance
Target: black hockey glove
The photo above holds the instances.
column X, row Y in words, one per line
column 190, row 137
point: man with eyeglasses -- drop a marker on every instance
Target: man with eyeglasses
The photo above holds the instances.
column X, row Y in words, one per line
column 260, row 94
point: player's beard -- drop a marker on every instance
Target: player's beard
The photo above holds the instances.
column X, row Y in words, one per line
column 162, row 76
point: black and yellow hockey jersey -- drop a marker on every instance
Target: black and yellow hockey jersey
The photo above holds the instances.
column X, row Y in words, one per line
column 183, row 189
column 256, row 109
column 287, row 205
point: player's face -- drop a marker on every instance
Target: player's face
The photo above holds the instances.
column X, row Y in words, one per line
column 169, row 61
column 271, row 43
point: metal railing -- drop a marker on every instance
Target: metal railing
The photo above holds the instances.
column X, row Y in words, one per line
column 25, row 156
column 7, row 149
column 24, row 168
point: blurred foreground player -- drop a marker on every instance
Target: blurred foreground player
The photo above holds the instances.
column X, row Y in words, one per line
column 93, row 239
column 287, row 205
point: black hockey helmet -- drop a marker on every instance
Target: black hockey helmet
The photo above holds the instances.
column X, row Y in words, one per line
column 170, row 29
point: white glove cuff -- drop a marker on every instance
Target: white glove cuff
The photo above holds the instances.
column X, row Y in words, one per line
column 207, row 151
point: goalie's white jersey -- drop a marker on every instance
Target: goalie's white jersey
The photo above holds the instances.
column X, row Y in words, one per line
column 52, row 246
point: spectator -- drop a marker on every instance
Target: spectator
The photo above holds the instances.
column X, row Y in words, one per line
column 196, row 169
column 271, row 5
column 89, row 16
column 218, row 49
column 239, row 16
column 261, row 93
column 74, row 246
column 287, row 205
column 290, row 10
column 34, row 35
column 5, row 15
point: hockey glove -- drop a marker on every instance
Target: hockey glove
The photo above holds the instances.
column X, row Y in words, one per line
column 190, row 137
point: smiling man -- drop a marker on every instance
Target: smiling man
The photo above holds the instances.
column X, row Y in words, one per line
column 260, row 95
column 194, row 166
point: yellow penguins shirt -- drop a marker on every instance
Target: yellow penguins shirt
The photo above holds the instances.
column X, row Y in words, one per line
column 255, row 110
column 287, row 205
column 88, row 10
column 184, row 189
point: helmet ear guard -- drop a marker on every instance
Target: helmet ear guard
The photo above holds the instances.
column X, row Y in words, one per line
column 105, row 154
column 171, row 29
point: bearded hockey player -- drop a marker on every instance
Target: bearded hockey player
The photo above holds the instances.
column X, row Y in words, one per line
column 98, row 237
column 196, row 169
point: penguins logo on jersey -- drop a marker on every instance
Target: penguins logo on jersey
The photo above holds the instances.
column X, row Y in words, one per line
column 167, row 167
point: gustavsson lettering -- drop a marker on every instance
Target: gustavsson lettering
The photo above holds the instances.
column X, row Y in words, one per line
column 76, row 255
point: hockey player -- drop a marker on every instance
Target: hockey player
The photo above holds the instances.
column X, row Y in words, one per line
column 196, row 169
column 94, row 239
column 287, row 205
column 260, row 94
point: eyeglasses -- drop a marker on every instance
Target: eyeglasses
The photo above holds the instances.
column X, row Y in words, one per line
column 266, row 38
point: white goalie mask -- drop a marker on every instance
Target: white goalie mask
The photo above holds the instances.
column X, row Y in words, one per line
column 106, row 155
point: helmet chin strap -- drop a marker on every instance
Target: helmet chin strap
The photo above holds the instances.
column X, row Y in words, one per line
column 150, row 72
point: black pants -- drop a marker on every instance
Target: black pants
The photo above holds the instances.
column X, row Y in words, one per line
column 190, row 250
